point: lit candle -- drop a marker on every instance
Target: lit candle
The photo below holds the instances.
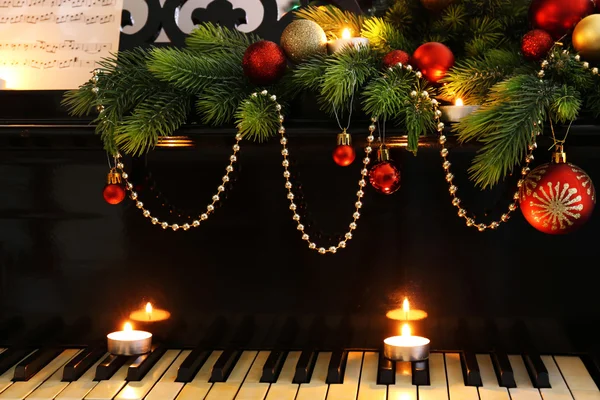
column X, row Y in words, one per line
column 456, row 112
column 406, row 347
column 129, row 342
column 149, row 314
column 347, row 41
column 406, row 313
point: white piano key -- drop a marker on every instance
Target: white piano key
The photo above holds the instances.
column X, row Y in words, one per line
column 316, row 389
column 139, row 389
column 82, row 386
column 349, row 388
column 108, row 389
column 456, row 381
column 403, row 389
column 368, row 389
column 284, row 388
column 438, row 389
column 6, row 378
column 252, row 388
column 578, row 378
column 20, row 390
column 228, row 390
column 524, row 389
column 491, row 389
column 50, row 388
column 559, row 390
column 166, row 388
column 199, row 386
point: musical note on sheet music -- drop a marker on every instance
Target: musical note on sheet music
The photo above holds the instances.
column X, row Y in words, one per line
column 55, row 44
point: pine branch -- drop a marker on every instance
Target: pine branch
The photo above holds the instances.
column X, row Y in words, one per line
column 403, row 13
column 332, row 19
column 80, row 102
column 565, row 104
column 191, row 72
column 309, row 74
column 487, row 34
column 384, row 37
column 257, row 119
column 386, row 96
column 593, row 98
column 210, row 38
column 218, row 103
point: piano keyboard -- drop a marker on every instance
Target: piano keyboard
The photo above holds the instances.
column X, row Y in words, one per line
column 75, row 374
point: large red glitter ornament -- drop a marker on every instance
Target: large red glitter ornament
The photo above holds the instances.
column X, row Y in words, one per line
column 536, row 44
column 264, row 62
column 433, row 59
column 394, row 57
column 558, row 197
column 113, row 192
column 558, row 17
column 344, row 153
column 384, row 176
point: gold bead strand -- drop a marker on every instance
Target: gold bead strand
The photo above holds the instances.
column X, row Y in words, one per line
column 289, row 186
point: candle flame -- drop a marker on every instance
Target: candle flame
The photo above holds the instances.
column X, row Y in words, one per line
column 405, row 330
column 127, row 326
column 459, row 102
column 148, row 308
column 405, row 305
column 346, row 34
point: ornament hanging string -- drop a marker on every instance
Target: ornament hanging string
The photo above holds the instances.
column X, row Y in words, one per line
column 555, row 141
column 351, row 107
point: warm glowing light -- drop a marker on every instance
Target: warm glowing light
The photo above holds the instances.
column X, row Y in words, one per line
column 405, row 305
column 148, row 309
column 127, row 326
column 346, row 34
column 405, row 330
column 459, row 102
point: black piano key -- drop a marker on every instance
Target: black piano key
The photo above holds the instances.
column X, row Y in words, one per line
column 107, row 368
column 142, row 364
column 34, row 363
column 468, row 359
column 12, row 356
column 196, row 359
column 337, row 367
column 420, row 373
column 533, row 362
column 81, row 363
column 224, row 365
column 308, row 357
column 277, row 357
column 592, row 363
column 504, row 372
column 386, row 372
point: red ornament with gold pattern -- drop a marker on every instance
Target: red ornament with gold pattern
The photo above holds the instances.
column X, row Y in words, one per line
column 557, row 197
column 114, row 191
column 344, row 153
column 384, row 176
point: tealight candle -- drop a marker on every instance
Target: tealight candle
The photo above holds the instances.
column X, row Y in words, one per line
column 347, row 40
column 406, row 347
column 129, row 342
column 456, row 112
column 149, row 314
column 406, row 313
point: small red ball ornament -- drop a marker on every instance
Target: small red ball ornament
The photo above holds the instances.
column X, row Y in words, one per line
column 558, row 197
column 394, row 57
column 344, row 153
column 384, row 176
column 264, row 62
column 558, row 17
column 433, row 59
column 113, row 192
column 536, row 44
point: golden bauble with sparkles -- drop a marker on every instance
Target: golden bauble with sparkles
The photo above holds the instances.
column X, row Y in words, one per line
column 586, row 38
column 303, row 39
column 436, row 5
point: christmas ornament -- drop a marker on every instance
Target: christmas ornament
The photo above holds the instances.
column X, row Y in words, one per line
column 384, row 176
column 394, row 57
column 436, row 5
column 344, row 153
column 303, row 39
column 558, row 17
column 113, row 192
column 536, row 44
column 586, row 38
column 433, row 59
column 264, row 62
column 557, row 197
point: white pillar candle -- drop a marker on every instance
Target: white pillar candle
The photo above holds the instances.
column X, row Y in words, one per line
column 346, row 41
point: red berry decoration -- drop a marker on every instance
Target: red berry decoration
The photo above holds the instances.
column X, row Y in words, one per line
column 344, row 153
column 384, row 176
column 113, row 192
column 536, row 44
column 394, row 57
column 264, row 62
column 558, row 197
column 558, row 17
column 433, row 59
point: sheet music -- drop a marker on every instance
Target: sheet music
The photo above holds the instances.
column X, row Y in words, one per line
column 55, row 44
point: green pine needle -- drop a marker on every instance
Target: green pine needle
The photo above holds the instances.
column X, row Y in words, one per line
column 332, row 19
column 208, row 38
column 384, row 37
column 257, row 119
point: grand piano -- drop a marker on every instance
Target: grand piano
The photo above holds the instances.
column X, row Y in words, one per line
column 511, row 314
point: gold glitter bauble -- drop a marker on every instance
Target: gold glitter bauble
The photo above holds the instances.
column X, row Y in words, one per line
column 586, row 38
column 303, row 39
column 436, row 5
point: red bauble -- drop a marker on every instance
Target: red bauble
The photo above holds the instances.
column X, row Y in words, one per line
column 433, row 59
column 344, row 155
column 264, row 62
column 394, row 57
column 113, row 193
column 385, row 177
column 557, row 198
column 558, row 17
column 536, row 44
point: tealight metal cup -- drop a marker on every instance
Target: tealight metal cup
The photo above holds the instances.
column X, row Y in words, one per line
column 120, row 346
column 396, row 352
